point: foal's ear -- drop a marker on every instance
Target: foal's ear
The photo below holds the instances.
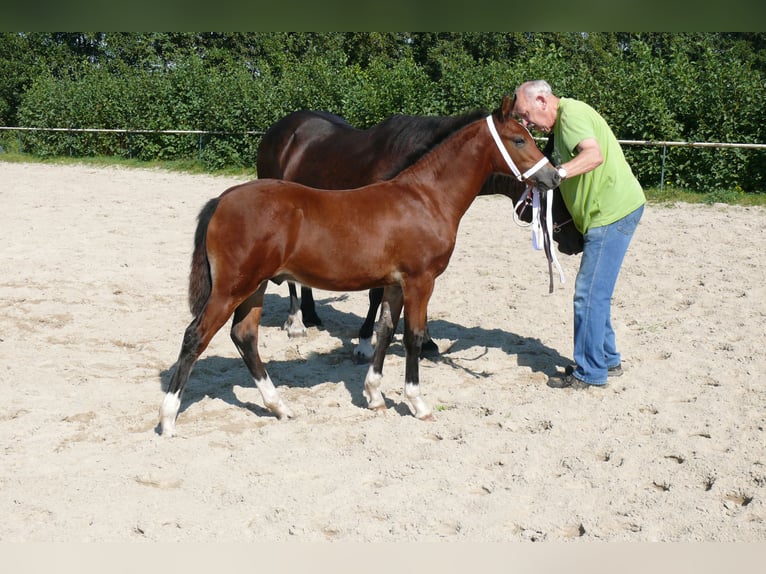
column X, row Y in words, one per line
column 507, row 106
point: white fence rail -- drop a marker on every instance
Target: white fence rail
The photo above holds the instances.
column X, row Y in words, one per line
column 200, row 133
column 260, row 133
column 666, row 144
column 129, row 132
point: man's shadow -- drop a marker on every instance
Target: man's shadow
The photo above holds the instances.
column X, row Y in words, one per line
column 216, row 377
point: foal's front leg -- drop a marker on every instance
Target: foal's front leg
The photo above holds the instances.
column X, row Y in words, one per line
column 416, row 302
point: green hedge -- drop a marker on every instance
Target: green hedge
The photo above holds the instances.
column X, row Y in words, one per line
column 680, row 88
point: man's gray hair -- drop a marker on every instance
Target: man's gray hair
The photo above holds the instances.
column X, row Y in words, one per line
column 533, row 88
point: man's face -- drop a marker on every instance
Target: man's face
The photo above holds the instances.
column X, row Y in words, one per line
column 533, row 112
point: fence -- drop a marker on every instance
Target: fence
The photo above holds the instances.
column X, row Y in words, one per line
column 666, row 144
column 129, row 132
column 201, row 133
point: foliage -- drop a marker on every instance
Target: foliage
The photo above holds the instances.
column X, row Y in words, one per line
column 649, row 86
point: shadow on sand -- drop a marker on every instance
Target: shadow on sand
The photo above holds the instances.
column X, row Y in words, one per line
column 216, row 377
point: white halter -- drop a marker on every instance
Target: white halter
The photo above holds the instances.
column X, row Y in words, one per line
column 537, row 230
column 506, row 156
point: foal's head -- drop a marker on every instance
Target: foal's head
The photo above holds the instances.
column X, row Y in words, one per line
column 530, row 163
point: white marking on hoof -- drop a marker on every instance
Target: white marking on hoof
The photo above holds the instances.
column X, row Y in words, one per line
column 422, row 410
column 294, row 325
column 364, row 351
column 375, row 400
column 168, row 413
column 271, row 398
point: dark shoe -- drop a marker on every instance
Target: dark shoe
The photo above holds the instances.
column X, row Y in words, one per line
column 611, row 372
column 570, row 382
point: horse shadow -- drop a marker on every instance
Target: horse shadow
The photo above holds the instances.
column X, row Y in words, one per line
column 216, row 377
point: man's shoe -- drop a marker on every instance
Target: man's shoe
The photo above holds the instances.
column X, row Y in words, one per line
column 570, row 382
column 611, row 371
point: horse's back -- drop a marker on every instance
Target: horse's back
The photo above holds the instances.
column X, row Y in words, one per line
column 286, row 143
column 322, row 150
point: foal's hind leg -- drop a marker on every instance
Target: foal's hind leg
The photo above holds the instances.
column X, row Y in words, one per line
column 389, row 317
column 244, row 333
column 196, row 339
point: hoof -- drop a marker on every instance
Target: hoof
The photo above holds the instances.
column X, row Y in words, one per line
column 293, row 330
column 429, row 350
column 312, row 321
column 282, row 411
column 293, row 334
column 428, row 417
column 374, row 404
column 294, row 326
column 168, row 414
column 363, row 352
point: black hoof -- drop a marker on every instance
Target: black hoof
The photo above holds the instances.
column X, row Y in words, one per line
column 312, row 320
column 429, row 350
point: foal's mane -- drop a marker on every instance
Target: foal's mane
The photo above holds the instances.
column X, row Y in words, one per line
column 417, row 135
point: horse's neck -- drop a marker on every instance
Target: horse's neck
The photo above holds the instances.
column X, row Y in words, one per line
column 455, row 171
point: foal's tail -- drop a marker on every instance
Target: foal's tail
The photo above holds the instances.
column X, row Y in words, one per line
column 200, row 280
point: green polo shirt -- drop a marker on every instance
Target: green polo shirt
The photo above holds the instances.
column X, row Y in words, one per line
column 607, row 193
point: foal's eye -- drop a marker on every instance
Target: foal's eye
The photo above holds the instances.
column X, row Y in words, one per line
column 519, row 141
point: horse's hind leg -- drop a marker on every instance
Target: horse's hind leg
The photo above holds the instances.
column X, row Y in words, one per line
column 196, row 339
column 294, row 323
column 429, row 348
column 244, row 333
column 364, row 350
column 308, row 308
column 389, row 317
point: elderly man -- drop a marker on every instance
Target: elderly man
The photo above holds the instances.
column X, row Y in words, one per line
column 606, row 202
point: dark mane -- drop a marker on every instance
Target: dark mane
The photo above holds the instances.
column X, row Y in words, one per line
column 410, row 137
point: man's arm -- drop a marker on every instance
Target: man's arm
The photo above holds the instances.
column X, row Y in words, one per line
column 587, row 159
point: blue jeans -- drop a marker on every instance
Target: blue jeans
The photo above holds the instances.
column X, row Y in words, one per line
column 595, row 348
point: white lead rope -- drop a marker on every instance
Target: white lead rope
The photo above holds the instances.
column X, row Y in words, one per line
column 538, row 241
column 549, row 231
column 537, row 230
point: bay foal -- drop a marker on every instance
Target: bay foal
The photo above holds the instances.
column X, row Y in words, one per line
column 274, row 229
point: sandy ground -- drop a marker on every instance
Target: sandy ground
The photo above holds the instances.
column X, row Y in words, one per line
column 92, row 310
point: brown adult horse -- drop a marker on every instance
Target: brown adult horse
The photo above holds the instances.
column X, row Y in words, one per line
column 274, row 229
column 322, row 150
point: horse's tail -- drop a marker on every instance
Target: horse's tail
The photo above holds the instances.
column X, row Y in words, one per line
column 200, row 279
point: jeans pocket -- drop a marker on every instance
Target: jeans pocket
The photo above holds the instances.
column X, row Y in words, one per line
column 627, row 225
